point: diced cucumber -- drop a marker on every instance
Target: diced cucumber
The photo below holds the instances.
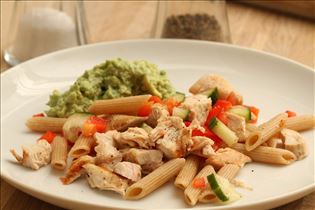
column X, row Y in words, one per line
column 73, row 126
column 146, row 127
column 213, row 93
column 242, row 111
column 222, row 131
column 222, row 188
column 180, row 97
column 181, row 112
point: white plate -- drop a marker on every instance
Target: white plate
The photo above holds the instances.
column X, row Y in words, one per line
column 272, row 83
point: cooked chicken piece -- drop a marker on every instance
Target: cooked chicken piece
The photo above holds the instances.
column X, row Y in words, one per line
column 34, row 156
column 237, row 124
column 106, row 151
column 202, row 146
column 294, row 142
column 227, row 156
column 133, row 137
column 143, row 156
column 104, row 179
column 172, row 137
column 208, row 82
column 148, row 168
column 131, row 171
column 199, row 106
column 159, row 111
column 122, row 122
column 75, row 170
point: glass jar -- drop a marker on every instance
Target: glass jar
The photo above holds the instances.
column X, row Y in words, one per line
column 39, row 27
column 202, row 20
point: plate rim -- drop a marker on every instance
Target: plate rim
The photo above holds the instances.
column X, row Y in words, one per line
column 290, row 196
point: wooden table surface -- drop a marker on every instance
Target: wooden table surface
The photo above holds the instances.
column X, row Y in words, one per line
column 264, row 30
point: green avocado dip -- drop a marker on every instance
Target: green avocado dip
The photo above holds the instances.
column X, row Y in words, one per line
column 112, row 79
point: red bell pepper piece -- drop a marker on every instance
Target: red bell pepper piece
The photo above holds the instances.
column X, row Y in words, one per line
column 290, row 113
column 48, row 136
column 39, row 115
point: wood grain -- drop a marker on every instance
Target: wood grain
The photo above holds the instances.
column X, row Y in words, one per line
column 256, row 28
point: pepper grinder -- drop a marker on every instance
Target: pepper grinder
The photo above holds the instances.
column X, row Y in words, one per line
column 40, row 27
column 201, row 20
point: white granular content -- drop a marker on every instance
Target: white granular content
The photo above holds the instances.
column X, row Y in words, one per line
column 43, row 30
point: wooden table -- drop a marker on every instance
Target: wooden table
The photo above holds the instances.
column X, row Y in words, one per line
column 287, row 36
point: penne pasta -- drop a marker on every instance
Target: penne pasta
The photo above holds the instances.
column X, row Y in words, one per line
column 191, row 194
column 265, row 131
column 43, row 124
column 188, row 172
column 155, row 179
column 228, row 171
column 82, row 146
column 300, row 123
column 124, row 105
column 59, row 153
column 267, row 154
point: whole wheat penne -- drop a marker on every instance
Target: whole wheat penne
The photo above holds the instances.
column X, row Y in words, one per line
column 82, row 146
column 300, row 123
column 188, row 172
column 155, row 179
column 43, row 124
column 265, row 131
column 267, row 154
column 228, row 171
column 59, row 153
column 191, row 193
column 124, row 105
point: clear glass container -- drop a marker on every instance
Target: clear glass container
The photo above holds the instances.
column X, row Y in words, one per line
column 201, row 20
column 39, row 27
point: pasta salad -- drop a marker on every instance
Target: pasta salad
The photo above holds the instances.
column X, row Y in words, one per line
column 133, row 145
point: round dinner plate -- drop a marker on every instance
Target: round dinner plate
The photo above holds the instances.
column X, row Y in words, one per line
column 272, row 83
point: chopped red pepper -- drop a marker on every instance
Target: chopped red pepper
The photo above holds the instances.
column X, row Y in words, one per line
column 145, row 109
column 155, row 99
column 92, row 125
column 224, row 104
column 48, row 136
column 171, row 103
column 187, row 123
column 223, row 118
column 199, row 182
column 39, row 115
column 290, row 113
column 217, row 140
column 255, row 111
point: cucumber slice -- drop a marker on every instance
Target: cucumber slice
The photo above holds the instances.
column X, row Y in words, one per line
column 146, row 127
column 213, row 93
column 180, row 97
column 181, row 112
column 241, row 111
column 216, row 188
column 221, row 130
column 222, row 188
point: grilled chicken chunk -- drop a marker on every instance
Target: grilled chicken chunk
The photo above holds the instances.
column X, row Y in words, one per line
column 148, row 159
column 227, row 156
column 75, row 170
column 294, row 142
column 171, row 137
column 210, row 81
column 104, row 179
column 202, row 146
column 199, row 106
column 106, row 151
column 238, row 125
column 158, row 111
column 131, row 171
column 34, row 156
column 133, row 137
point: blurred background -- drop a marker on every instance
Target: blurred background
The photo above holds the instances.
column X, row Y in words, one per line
column 281, row 27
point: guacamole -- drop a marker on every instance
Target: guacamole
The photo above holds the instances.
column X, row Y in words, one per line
column 112, row 79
